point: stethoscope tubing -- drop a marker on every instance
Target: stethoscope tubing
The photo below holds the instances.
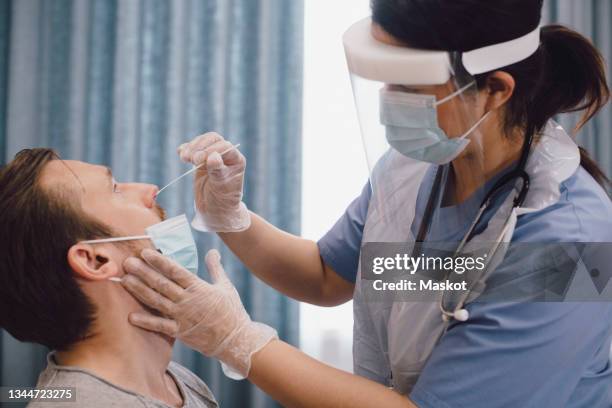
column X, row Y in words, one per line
column 519, row 172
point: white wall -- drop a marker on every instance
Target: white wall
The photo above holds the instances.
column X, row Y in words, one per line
column 334, row 166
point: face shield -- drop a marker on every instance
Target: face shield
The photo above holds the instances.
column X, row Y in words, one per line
column 421, row 117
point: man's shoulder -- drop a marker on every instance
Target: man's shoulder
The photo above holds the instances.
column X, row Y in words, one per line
column 90, row 391
column 190, row 380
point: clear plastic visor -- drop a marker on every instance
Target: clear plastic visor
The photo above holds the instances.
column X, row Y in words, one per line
column 413, row 127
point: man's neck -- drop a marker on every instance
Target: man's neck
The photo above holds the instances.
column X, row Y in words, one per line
column 128, row 357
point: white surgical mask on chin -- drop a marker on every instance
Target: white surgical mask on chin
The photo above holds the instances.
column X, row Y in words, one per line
column 172, row 237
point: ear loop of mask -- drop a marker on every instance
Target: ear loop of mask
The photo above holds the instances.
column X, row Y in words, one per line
column 451, row 96
column 118, row 239
column 470, row 130
column 458, row 92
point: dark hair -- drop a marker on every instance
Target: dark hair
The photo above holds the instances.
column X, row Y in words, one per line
column 565, row 74
column 40, row 300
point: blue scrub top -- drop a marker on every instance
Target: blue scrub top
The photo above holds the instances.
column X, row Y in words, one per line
column 510, row 354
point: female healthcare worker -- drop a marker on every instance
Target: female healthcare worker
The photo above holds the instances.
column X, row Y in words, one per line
column 455, row 100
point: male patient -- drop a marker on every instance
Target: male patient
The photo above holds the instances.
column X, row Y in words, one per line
column 55, row 291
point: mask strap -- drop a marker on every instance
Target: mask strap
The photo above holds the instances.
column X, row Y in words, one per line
column 475, row 126
column 119, row 239
column 451, row 96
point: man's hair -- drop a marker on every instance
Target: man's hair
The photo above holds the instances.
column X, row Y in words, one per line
column 40, row 299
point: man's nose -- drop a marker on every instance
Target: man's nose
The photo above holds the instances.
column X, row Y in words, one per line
column 150, row 195
column 145, row 193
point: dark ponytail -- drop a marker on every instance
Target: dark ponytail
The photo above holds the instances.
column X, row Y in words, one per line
column 566, row 74
column 575, row 62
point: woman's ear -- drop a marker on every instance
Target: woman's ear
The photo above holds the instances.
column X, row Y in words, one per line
column 500, row 87
column 92, row 262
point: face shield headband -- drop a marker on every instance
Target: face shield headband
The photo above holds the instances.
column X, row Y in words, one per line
column 371, row 59
column 391, row 114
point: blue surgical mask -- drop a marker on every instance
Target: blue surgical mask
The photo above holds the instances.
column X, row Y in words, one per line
column 172, row 237
column 412, row 128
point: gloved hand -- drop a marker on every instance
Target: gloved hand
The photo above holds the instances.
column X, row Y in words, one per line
column 207, row 317
column 218, row 184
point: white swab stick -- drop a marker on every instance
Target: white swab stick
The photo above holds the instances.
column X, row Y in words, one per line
column 194, row 169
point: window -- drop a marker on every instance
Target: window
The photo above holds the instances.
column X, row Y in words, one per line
column 334, row 165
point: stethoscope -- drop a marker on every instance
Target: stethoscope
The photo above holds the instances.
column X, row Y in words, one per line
column 460, row 313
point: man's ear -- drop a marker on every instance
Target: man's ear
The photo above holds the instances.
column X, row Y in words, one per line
column 500, row 87
column 92, row 262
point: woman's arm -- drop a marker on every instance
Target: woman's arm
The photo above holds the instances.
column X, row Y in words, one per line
column 211, row 319
column 297, row 380
column 288, row 263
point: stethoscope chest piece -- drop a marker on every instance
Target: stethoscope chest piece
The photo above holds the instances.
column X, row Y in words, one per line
column 461, row 315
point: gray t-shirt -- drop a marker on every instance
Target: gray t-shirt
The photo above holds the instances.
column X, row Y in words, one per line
column 93, row 391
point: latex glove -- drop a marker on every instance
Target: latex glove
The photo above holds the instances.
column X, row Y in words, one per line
column 218, row 184
column 207, row 317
